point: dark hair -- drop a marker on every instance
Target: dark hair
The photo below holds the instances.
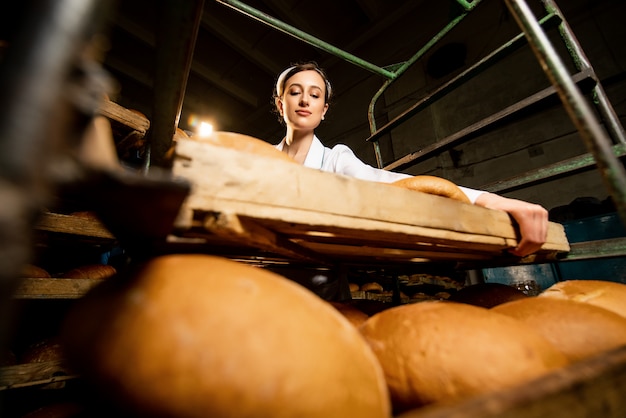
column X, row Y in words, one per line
column 296, row 68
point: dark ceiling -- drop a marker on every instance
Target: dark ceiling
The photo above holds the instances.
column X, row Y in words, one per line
column 237, row 58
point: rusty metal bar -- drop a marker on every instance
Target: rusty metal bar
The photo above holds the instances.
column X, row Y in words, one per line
column 595, row 138
column 468, row 7
column 601, row 101
column 571, row 165
column 305, row 37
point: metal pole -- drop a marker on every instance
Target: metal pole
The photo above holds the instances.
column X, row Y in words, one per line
column 406, row 65
column 596, row 140
column 303, row 36
column 581, row 62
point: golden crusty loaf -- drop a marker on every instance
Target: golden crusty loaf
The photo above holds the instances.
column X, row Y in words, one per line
column 34, row 272
column 351, row 312
column 605, row 294
column 487, row 295
column 90, row 271
column 201, row 336
column 244, row 143
column 48, row 349
column 442, row 351
column 578, row 329
column 433, row 185
column 372, row 287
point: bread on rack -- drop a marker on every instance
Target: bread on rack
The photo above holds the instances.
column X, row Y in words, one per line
column 438, row 351
column 433, row 185
column 244, row 143
column 351, row 312
column 487, row 295
column 373, row 287
column 90, row 271
column 605, row 294
column 32, row 271
column 197, row 335
column 578, row 329
column 48, row 349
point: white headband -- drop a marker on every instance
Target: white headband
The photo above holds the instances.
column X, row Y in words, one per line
column 281, row 80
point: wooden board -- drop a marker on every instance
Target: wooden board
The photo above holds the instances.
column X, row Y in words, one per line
column 302, row 213
column 49, row 373
column 126, row 117
column 53, row 288
column 74, row 225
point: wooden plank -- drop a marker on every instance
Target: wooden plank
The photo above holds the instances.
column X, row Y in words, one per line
column 297, row 206
column 54, row 288
column 33, row 374
column 246, row 232
column 595, row 387
column 74, row 225
column 126, row 117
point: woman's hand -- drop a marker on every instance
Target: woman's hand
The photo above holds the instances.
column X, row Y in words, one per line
column 531, row 218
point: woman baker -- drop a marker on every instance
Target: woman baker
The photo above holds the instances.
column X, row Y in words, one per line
column 302, row 97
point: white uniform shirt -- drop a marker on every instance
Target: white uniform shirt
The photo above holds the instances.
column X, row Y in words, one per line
column 341, row 160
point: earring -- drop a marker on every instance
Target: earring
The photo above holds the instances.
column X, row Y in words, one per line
column 322, row 117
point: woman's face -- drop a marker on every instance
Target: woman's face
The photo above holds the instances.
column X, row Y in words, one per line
column 303, row 103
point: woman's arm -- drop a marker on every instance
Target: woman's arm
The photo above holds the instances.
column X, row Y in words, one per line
column 531, row 218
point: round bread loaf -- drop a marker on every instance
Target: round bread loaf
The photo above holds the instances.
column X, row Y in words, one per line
column 49, row 349
column 605, row 294
column 90, row 271
column 578, row 329
column 372, row 287
column 440, row 351
column 352, row 314
column 433, row 185
column 245, row 143
column 201, row 336
column 487, row 295
column 34, row 272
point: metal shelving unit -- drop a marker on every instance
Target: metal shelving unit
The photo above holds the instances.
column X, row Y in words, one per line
column 605, row 145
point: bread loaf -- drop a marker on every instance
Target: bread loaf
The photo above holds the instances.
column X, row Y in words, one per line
column 579, row 330
column 433, row 185
column 443, row 351
column 487, row 295
column 605, row 294
column 90, row 271
column 352, row 314
column 34, row 272
column 372, row 287
column 245, row 143
column 201, row 336
column 49, row 349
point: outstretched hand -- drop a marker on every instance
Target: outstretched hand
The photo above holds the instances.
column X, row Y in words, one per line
column 531, row 218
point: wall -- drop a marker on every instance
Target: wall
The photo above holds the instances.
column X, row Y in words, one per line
column 533, row 141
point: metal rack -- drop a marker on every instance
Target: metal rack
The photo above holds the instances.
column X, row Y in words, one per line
column 605, row 145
